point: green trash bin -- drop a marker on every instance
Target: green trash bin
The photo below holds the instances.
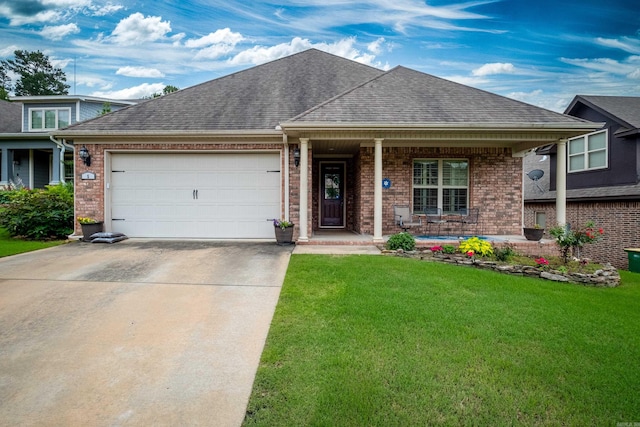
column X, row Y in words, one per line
column 634, row 259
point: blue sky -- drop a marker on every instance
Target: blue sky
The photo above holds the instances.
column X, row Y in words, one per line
column 543, row 52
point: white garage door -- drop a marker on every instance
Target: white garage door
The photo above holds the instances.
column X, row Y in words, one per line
column 199, row 195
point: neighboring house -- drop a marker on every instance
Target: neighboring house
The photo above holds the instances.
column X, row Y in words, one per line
column 28, row 156
column 310, row 138
column 603, row 176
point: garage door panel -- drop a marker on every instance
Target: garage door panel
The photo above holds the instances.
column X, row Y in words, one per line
column 155, row 195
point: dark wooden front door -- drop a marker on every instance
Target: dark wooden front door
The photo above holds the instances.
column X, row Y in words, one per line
column 332, row 195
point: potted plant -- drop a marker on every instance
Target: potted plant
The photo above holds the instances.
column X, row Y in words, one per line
column 89, row 226
column 284, row 231
column 534, row 233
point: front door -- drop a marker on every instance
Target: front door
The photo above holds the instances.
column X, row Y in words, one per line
column 332, row 195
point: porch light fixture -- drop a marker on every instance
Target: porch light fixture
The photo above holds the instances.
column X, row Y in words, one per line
column 296, row 157
column 85, row 156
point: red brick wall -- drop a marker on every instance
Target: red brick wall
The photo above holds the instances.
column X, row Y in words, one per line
column 495, row 185
column 619, row 220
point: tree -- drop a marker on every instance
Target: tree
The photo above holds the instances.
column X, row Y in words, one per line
column 5, row 83
column 37, row 75
column 167, row 90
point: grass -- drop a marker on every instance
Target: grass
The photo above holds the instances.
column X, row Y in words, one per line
column 386, row 341
column 10, row 246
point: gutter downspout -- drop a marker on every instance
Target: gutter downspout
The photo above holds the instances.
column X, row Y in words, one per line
column 285, row 142
column 61, row 145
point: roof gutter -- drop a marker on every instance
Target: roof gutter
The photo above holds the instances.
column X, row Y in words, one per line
column 465, row 126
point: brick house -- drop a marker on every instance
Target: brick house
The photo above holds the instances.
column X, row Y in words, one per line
column 603, row 176
column 310, row 138
column 28, row 155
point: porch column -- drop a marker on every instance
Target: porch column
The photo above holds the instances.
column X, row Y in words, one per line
column 56, row 167
column 4, row 166
column 561, row 183
column 303, row 235
column 377, row 192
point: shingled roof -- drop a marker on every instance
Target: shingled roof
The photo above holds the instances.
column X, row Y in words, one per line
column 623, row 109
column 254, row 99
column 402, row 95
column 10, row 117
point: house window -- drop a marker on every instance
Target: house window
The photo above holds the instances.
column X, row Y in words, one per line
column 541, row 219
column 588, row 152
column 49, row 118
column 440, row 183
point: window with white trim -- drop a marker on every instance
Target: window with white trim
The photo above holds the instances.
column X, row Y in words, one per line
column 41, row 119
column 588, row 152
column 440, row 183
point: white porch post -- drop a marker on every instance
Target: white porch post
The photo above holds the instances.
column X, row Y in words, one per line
column 377, row 192
column 561, row 183
column 303, row 235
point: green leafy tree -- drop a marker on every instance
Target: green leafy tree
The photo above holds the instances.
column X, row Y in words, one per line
column 37, row 75
column 167, row 90
column 5, row 82
column 106, row 108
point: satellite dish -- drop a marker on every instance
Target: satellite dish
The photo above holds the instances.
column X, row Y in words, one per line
column 535, row 176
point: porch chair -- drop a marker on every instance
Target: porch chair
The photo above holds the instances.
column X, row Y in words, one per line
column 469, row 216
column 404, row 219
column 434, row 216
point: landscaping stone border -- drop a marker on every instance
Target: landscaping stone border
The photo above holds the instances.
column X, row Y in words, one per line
column 608, row 276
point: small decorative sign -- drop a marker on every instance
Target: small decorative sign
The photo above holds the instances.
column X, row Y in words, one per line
column 386, row 183
column 88, row 175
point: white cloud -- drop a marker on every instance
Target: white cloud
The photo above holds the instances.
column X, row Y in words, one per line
column 344, row 47
column 21, row 12
column 635, row 74
column 140, row 72
column 59, row 32
column 223, row 36
column 8, row 51
column 375, row 47
column 137, row 29
column 136, row 92
column 215, row 45
column 626, row 44
column 106, row 9
column 494, row 68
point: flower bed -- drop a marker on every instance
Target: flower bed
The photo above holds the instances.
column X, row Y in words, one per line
column 607, row 276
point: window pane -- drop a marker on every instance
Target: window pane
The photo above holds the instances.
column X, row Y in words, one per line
column 576, row 163
column 424, row 198
column 454, row 172
column 598, row 159
column 425, row 173
column 597, row 141
column 454, row 199
column 50, row 119
column 576, row 146
column 36, row 119
column 331, row 186
column 63, row 118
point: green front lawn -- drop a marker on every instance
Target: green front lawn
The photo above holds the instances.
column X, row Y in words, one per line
column 11, row 246
column 385, row 341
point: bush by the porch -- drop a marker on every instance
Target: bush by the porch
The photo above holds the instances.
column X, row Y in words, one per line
column 40, row 213
column 404, row 241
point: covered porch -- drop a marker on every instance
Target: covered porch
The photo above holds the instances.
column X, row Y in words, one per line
column 353, row 180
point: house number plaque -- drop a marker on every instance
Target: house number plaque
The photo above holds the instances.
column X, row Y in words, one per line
column 88, row 175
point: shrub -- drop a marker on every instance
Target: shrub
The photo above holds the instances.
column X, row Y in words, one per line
column 477, row 246
column 449, row 249
column 404, row 241
column 39, row 214
column 505, row 253
column 573, row 240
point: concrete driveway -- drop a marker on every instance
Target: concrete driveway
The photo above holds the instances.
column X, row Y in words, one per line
column 140, row 332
